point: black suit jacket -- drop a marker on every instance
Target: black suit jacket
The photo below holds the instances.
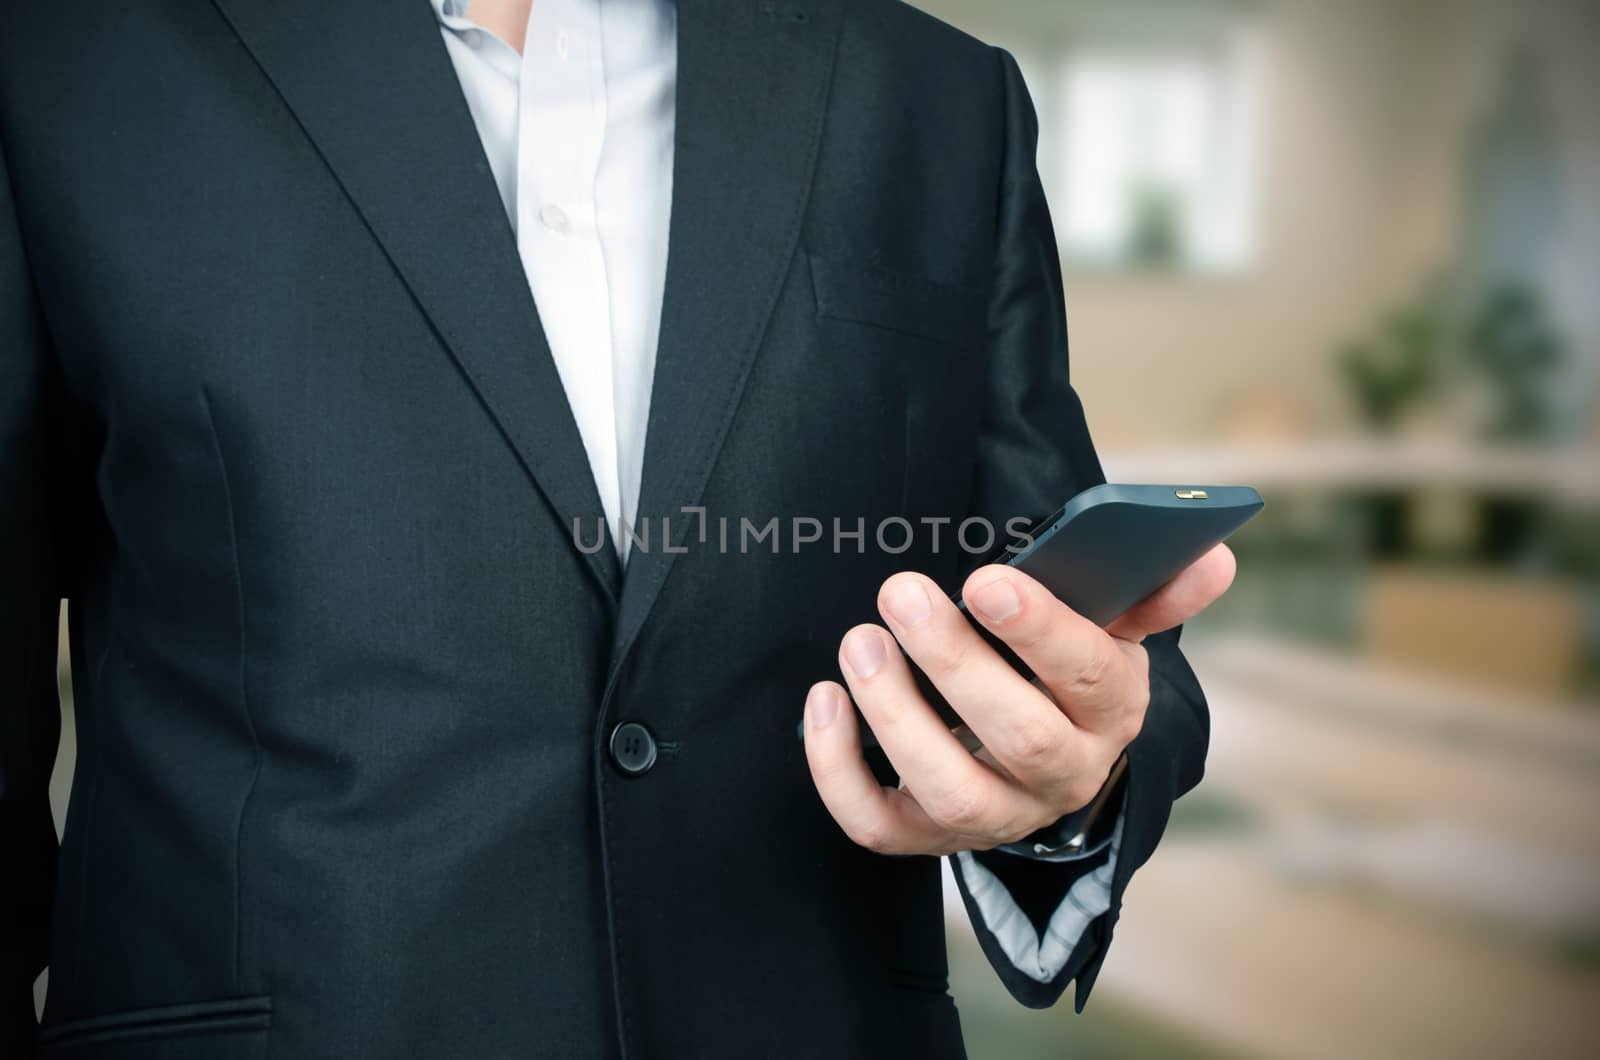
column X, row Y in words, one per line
column 280, row 422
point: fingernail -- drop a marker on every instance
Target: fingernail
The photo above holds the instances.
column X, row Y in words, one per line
column 863, row 650
column 907, row 601
column 822, row 706
column 996, row 601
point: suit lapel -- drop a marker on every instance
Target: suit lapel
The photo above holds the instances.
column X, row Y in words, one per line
column 373, row 87
column 753, row 77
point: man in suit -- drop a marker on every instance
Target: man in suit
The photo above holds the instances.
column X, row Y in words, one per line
column 326, row 330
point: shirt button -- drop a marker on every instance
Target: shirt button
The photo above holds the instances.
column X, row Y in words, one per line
column 554, row 218
column 563, row 45
column 633, row 749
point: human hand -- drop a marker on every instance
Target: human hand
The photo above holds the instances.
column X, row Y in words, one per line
column 1048, row 744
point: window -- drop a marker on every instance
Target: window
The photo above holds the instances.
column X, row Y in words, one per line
column 1148, row 148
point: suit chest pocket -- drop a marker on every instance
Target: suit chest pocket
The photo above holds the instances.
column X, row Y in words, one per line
column 947, row 314
column 921, row 345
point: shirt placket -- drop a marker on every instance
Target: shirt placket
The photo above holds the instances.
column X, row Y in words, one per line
column 561, row 130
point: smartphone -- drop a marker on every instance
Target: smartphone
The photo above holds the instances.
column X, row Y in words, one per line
column 1111, row 546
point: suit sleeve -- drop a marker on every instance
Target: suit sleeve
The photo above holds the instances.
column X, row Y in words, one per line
column 1041, row 923
column 30, row 716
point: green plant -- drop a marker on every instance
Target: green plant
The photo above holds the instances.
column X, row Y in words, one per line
column 1398, row 366
column 1156, row 235
column 1510, row 340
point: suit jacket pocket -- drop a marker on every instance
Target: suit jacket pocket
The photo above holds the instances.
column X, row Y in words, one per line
column 899, row 301
column 114, row 1033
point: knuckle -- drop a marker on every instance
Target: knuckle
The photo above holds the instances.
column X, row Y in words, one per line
column 962, row 809
column 1033, row 743
column 871, row 833
column 1095, row 672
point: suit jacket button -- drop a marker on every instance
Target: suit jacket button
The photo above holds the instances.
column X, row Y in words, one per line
column 633, row 749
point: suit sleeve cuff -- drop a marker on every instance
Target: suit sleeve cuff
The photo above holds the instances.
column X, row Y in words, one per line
column 1037, row 952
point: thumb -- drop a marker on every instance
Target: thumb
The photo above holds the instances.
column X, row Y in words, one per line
column 1185, row 595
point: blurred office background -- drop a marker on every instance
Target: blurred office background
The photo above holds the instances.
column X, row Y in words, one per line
column 1348, row 252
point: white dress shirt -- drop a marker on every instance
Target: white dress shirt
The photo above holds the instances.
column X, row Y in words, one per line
column 578, row 130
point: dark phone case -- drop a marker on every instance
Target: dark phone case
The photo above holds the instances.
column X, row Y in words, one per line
column 1110, row 547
